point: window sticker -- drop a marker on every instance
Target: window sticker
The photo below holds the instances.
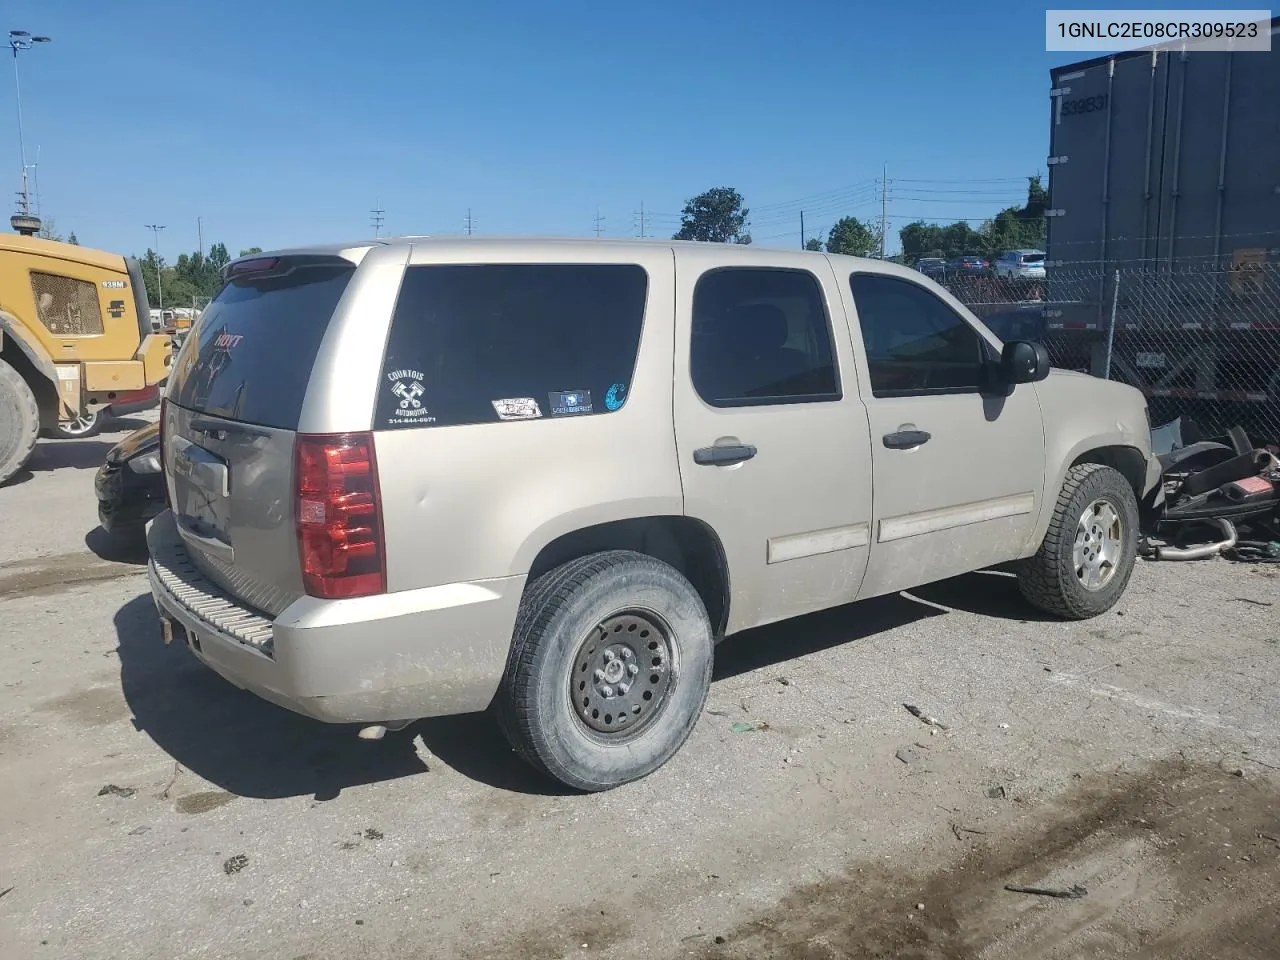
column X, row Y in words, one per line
column 517, row 408
column 615, row 397
column 407, row 387
column 567, row 402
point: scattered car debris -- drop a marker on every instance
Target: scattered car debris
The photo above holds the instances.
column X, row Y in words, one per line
column 996, row 793
column 6, row 891
column 785, row 681
column 1256, row 603
column 139, row 831
column 906, row 755
column 959, row 830
column 114, row 791
column 372, row 833
column 1217, row 497
column 235, row 864
column 743, row 726
column 1075, row 893
column 924, row 717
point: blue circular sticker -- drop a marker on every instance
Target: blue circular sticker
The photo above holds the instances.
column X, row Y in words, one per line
column 615, row 397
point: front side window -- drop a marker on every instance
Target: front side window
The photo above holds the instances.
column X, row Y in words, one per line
column 761, row 336
column 915, row 343
column 490, row 342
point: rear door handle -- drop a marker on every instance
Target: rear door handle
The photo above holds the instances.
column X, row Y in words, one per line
column 723, row 455
column 906, row 439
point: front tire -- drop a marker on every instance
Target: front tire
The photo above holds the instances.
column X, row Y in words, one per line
column 1089, row 550
column 88, row 424
column 609, row 669
column 19, row 422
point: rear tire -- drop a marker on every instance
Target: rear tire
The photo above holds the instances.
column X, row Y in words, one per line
column 609, row 669
column 19, row 422
column 88, row 424
column 1089, row 550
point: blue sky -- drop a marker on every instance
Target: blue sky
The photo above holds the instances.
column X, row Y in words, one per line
column 281, row 127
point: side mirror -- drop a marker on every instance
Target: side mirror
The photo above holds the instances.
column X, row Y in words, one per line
column 1022, row 361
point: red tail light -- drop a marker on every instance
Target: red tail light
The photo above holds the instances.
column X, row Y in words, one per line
column 339, row 519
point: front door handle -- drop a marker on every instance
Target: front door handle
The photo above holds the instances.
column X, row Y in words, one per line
column 906, row 439
column 723, row 455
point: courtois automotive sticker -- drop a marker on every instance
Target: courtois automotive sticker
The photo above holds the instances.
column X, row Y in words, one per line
column 566, row 402
column 615, row 397
column 406, row 386
column 517, row 408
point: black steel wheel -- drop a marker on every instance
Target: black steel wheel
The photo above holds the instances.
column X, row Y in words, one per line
column 609, row 669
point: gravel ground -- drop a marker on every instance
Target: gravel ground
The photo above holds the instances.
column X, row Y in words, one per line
column 1136, row 756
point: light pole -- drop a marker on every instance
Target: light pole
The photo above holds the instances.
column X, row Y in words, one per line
column 21, row 40
column 155, row 229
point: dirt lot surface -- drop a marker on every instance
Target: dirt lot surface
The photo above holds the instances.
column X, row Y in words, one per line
column 148, row 809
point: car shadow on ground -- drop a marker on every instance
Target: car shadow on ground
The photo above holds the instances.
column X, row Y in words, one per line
column 117, row 547
column 251, row 748
column 76, row 454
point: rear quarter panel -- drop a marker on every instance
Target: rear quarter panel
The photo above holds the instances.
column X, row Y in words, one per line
column 479, row 501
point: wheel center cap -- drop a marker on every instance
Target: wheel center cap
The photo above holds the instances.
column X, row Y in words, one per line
column 613, row 671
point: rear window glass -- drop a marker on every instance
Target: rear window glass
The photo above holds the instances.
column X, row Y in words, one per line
column 257, row 343
column 485, row 343
column 1033, row 258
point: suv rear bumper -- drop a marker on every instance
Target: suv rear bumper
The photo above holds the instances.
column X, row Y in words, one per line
column 398, row 656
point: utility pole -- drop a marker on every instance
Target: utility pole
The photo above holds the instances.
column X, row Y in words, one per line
column 155, row 229
column 376, row 217
column 22, row 40
column 801, row 229
column 599, row 223
column 884, row 209
column 470, row 221
column 200, row 234
column 642, row 219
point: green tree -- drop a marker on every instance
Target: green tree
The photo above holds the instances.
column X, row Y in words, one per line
column 813, row 243
column 218, row 257
column 920, row 239
column 73, row 239
column 49, row 230
column 853, row 238
column 245, row 253
column 716, row 216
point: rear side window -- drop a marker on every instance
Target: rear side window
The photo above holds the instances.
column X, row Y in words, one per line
column 257, row 342
column 492, row 342
column 761, row 336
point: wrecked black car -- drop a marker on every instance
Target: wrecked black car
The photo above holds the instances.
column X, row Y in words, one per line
column 1221, row 496
column 130, row 486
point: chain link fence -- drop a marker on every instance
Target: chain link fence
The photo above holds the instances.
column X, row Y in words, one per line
column 1200, row 340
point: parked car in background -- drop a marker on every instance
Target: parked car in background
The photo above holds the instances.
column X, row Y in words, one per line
column 934, row 267
column 129, row 485
column 395, row 494
column 967, row 266
column 1020, row 265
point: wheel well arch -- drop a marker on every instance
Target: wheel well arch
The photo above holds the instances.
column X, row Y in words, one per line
column 45, row 391
column 1129, row 461
column 687, row 544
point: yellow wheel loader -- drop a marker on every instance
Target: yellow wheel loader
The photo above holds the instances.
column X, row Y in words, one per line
column 75, row 343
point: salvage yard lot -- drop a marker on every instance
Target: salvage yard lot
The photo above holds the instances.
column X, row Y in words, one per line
column 151, row 810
